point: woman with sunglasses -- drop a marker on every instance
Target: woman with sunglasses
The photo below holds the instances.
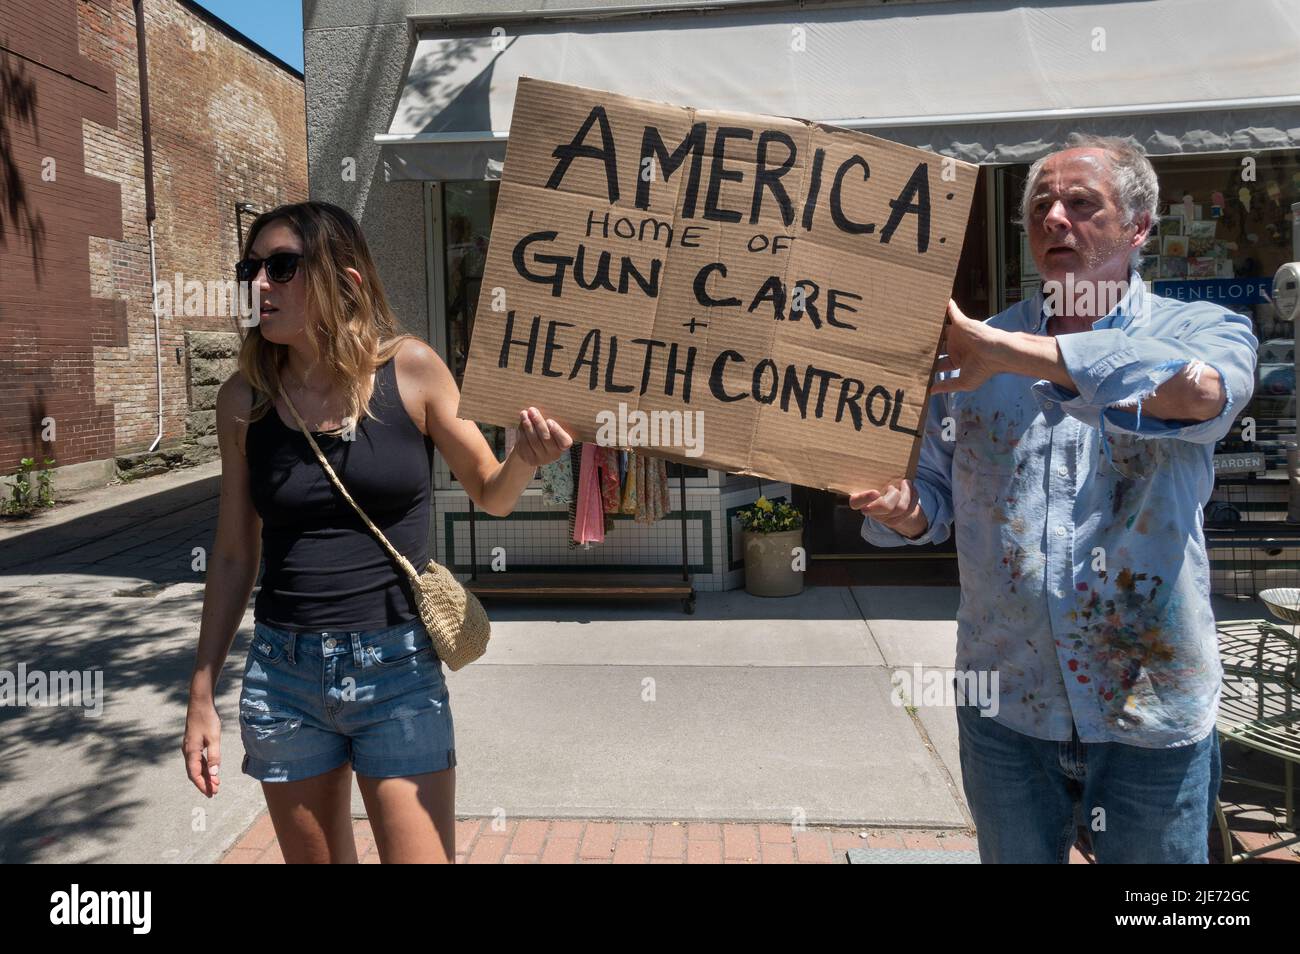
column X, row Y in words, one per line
column 341, row 675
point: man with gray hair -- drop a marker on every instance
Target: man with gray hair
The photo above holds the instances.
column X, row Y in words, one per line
column 1070, row 440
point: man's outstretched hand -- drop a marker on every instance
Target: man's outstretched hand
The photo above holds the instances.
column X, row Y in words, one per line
column 896, row 506
column 971, row 347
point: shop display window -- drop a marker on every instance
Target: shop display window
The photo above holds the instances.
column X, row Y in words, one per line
column 1225, row 227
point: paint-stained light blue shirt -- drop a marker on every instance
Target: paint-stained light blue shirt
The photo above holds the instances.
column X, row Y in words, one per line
column 1084, row 577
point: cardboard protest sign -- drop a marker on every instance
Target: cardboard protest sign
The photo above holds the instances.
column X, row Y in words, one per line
column 756, row 294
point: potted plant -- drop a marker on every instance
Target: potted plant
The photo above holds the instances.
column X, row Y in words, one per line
column 772, row 531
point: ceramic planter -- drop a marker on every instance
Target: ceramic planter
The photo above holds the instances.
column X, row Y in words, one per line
column 768, row 559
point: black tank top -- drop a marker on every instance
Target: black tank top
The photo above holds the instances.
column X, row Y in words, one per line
column 325, row 569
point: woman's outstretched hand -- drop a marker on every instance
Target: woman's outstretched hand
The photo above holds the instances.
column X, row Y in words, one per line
column 541, row 440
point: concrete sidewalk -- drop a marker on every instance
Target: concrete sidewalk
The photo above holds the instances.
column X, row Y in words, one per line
column 752, row 709
column 106, row 583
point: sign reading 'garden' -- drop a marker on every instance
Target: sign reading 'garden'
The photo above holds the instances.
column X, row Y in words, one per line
column 757, row 294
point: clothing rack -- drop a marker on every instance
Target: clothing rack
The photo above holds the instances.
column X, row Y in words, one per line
column 582, row 585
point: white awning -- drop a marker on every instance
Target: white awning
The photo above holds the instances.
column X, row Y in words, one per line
column 983, row 81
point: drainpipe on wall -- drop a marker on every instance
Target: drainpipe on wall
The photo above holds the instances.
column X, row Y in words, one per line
column 149, row 211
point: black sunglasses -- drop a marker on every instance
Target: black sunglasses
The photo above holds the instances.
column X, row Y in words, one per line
column 280, row 267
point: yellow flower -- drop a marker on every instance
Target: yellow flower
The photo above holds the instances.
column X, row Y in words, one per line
column 762, row 503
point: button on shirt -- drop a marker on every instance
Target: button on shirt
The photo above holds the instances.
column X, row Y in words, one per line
column 1084, row 577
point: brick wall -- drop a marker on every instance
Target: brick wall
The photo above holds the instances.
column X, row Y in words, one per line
column 49, row 318
column 76, row 324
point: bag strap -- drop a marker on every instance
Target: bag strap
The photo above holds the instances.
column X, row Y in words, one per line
column 404, row 563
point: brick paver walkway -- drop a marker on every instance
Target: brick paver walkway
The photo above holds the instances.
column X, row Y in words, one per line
column 534, row 841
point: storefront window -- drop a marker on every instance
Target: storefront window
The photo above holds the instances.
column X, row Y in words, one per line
column 1238, row 235
column 467, row 209
column 1019, row 275
column 1225, row 227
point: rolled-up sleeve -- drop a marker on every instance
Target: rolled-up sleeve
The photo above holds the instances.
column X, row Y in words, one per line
column 933, row 483
column 1115, row 371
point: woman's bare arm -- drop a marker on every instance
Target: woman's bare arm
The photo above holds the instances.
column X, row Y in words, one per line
column 493, row 485
column 237, row 552
column 232, row 571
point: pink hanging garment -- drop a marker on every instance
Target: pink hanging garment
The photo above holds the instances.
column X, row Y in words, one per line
column 589, row 524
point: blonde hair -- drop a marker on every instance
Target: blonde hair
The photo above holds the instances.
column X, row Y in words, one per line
column 353, row 328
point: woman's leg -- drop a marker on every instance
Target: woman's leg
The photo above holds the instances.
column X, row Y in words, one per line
column 313, row 817
column 413, row 817
column 403, row 744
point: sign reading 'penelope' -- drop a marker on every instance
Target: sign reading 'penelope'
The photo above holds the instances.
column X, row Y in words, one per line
column 757, row 294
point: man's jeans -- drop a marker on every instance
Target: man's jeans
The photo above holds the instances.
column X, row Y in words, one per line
column 1138, row 805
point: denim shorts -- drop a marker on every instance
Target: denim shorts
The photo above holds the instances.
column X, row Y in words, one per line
column 313, row 701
